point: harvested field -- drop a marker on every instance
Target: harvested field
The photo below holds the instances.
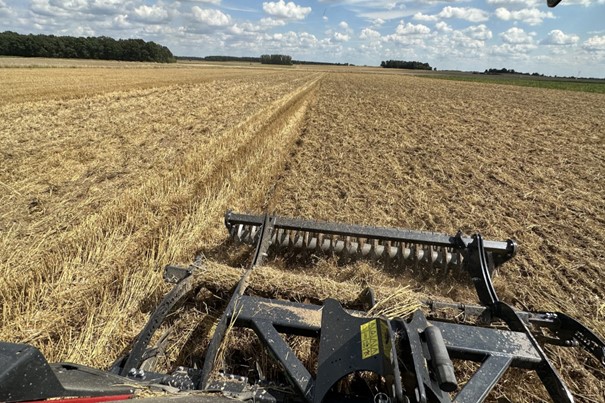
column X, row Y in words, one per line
column 108, row 174
column 42, row 84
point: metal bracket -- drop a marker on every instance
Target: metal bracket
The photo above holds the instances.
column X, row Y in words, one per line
column 183, row 285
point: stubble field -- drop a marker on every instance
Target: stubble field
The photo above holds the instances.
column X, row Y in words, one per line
column 107, row 174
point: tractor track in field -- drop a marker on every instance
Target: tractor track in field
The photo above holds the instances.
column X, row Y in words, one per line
column 113, row 253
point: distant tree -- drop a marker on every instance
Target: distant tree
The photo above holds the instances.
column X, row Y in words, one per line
column 401, row 64
column 276, row 59
column 14, row 44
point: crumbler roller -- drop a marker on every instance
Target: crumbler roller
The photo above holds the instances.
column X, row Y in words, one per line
column 394, row 246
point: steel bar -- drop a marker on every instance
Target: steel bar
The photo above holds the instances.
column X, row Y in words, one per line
column 395, row 245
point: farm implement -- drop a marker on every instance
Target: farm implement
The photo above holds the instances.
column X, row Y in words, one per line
column 358, row 357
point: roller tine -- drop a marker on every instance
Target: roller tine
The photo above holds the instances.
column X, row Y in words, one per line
column 239, row 233
column 357, row 254
column 312, row 238
column 353, row 248
column 319, row 237
column 460, row 261
column 328, row 241
column 380, row 250
column 414, row 254
column 400, row 255
column 254, row 233
column 272, row 240
column 297, row 239
column 339, row 246
column 445, row 262
column 233, row 233
column 365, row 247
column 320, row 241
column 246, row 233
column 344, row 256
column 430, row 258
column 387, row 254
column 283, row 239
column 332, row 244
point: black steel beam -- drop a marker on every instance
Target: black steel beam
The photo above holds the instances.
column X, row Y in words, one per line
column 508, row 247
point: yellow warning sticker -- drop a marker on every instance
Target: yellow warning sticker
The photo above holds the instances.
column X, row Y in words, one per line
column 369, row 339
column 386, row 339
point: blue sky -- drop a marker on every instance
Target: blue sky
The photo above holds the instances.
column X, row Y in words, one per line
column 465, row 35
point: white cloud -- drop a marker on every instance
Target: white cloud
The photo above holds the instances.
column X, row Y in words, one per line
column 154, row 14
column 83, row 31
column 377, row 22
column 107, row 7
column 214, row 2
column 289, row 10
column 443, row 27
column 121, row 22
column 512, row 51
column 517, row 3
column 408, row 34
column 307, row 40
column 271, row 22
column 425, row 17
column 464, row 13
column 43, row 7
column 70, row 4
column 211, row 17
column 411, row 29
column 290, row 41
column 480, row 32
column 344, row 26
column 5, row 11
column 531, row 16
column 384, row 15
column 76, row 8
column 339, row 37
column 369, row 33
column 517, row 36
column 558, row 37
column 595, row 43
column 585, row 3
column 462, row 39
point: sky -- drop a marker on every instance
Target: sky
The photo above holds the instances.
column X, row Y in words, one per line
column 524, row 35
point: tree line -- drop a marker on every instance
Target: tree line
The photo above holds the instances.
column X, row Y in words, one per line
column 251, row 59
column 276, row 59
column 402, row 64
column 510, row 71
column 69, row 47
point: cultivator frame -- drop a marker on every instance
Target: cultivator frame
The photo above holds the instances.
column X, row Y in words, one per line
column 410, row 360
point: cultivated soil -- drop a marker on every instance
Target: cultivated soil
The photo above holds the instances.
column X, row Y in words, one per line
column 109, row 173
